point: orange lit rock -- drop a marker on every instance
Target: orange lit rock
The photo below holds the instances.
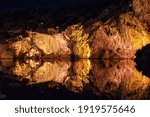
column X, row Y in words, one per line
column 108, row 45
column 108, row 35
column 141, row 9
column 21, row 47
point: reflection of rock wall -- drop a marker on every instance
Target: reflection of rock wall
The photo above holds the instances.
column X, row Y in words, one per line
column 79, row 76
column 119, row 80
column 73, row 75
column 37, row 72
column 111, row 74
column 115, row 79
column 137, row 87
column 57, row 71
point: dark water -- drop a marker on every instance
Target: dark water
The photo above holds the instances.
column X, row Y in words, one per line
column 143, row 60
column 81, row 79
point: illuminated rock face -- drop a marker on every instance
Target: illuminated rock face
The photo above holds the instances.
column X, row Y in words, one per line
column 102, row 44
column 56, row 45
column 105, row 42
column 79, row 39
column 111, row 46
column 40, row 45
column 118, row 37
column 134, row 31
column 21, row 47
column 141, row 9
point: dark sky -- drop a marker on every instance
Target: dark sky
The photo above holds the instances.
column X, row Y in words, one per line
column 11, row 5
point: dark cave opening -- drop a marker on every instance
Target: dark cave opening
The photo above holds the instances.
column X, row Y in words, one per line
column 143, row 60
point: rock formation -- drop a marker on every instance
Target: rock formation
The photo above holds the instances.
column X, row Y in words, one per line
column 118, row 36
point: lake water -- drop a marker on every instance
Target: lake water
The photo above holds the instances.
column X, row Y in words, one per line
column 80, row 79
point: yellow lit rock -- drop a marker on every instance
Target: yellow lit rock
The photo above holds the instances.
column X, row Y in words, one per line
column 21, row 47
column 22, row 70
column 80, row 38
column 133, row 31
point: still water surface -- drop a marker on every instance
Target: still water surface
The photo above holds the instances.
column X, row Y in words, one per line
column 64, row 79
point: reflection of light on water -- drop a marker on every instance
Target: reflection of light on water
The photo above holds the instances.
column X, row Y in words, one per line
column 57, row 71
column 115, row 79
column 121, row 80
column 136, row 87
column 81, row 69
column 33, row 63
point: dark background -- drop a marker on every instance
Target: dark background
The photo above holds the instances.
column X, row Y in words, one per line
column 15, row 5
